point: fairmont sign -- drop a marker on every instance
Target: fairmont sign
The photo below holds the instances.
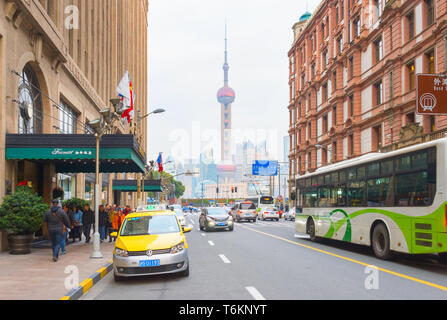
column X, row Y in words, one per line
column 431, row 96
column 68, row 152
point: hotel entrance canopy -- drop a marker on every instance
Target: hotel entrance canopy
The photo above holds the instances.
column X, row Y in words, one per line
column 76, row 153
column 131, row 186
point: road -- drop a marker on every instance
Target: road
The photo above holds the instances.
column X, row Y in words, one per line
column 264, row 260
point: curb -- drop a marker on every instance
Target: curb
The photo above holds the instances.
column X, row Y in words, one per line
column 88, row 283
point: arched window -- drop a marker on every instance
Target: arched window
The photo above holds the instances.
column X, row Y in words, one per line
column 30, row 103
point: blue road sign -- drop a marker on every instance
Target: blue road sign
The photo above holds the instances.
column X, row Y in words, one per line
column 265, row 168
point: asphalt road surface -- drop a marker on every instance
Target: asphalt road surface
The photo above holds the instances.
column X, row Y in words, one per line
column 264, row 260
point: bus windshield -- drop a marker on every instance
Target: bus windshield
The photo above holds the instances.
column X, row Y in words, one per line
column 266, row 200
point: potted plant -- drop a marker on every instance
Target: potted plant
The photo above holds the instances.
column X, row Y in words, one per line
column 21, row 215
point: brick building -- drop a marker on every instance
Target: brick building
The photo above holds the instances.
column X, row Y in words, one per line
column 352, row 75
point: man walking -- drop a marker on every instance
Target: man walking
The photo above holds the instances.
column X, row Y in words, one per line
column 88, row 219
column 57, row 222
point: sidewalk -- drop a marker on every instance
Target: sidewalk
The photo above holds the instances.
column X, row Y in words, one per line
column 36, row 277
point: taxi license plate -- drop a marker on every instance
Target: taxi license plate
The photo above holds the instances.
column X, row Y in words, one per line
column 222, row 224
column 149, row 263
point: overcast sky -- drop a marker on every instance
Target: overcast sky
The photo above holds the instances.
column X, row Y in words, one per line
column 186, row 54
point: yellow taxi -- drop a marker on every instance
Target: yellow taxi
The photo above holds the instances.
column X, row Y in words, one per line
column 150, row 241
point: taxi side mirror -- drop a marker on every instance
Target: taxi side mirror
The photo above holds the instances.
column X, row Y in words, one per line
column 114, row 234
column 187, row 229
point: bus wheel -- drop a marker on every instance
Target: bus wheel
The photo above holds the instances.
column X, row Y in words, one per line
column 311, row 230
column 381, row 242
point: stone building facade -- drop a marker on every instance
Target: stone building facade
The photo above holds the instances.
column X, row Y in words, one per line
column 66, row 59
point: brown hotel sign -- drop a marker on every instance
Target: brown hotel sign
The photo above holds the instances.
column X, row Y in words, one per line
column 431, row 96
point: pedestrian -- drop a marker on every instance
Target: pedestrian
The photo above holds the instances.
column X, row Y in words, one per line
column 127, row 210
column 116, row 222
column 77, row 224
column 111, row 212
column 69, row 214
column 57, row 222
column 88, row 219
column 103, row 217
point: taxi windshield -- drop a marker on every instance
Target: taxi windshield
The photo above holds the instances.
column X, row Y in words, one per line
column 140, row 226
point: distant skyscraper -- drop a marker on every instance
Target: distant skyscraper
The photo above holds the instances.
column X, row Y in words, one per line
column 226, row 97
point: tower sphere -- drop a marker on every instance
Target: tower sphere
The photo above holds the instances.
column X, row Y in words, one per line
column 226, row 95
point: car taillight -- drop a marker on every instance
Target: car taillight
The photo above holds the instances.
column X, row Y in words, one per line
column 239, row 212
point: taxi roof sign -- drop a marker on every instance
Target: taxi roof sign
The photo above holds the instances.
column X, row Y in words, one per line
column 150, row 207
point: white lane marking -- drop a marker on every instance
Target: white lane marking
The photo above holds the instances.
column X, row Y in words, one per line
column 211, row 243
column 203, row 234
column 255, row 293
column 192, row 221
column 224, row 259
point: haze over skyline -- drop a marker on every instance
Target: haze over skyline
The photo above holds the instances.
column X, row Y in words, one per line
column 186, row 55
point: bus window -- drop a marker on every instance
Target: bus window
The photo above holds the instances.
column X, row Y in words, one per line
column 403, row 163
column 419, row 160
column 310, row 198
column 339, row 193
column 355, row 194
column 373, row 169
column 361, row 173
column 379, row 191
column 414, row 189
column 386, row 167
column 324, row 197
column 352, row 174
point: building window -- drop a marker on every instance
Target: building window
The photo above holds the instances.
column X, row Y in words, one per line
column 325, row 60
column 430, row 62
column 351, row 67
column 293, row 65
column 378, row 8
column 334, row 81
column 30, row 103
column 351, row 105
column 377, row 137
column 299, row 136
column 339, row 44
column 378, row 46
column 411, row 75
column 334, row 115
column 67, row 119
column 309, row 160
column 324, row 92
column 334, row 151
column 410, row 23
column 337, row 14
column 303, row 80
column 311, row 44
column 357, row 27
column 391, row 85
column 378, row 90
column 325, row 123
column 409, row 118
column 351, row 144
column 322, row 31
column 309, row 126
column 430, row 12
column 342, row 9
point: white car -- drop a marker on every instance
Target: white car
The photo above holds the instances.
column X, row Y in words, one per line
column 290, row 215
column 270, row 213
column 181, row 217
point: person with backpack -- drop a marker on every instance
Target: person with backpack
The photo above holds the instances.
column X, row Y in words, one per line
column 57, row 222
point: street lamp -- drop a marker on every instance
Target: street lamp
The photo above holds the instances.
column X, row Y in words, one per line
column 100, row 127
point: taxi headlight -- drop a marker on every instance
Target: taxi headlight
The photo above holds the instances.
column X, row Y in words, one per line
column 178, row 248
column 121, row 253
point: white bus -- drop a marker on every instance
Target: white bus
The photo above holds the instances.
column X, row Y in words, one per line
column 262, row 202
column 393, row 202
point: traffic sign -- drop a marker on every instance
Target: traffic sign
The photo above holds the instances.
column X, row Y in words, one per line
column 265, row 168
column 431, row 94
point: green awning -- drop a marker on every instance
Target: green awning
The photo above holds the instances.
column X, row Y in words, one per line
column 132, row 185
column 77, row 153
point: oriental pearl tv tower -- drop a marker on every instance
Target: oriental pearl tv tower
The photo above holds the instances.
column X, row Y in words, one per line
column 226, row 96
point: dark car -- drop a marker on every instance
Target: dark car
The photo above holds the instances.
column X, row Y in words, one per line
column 214, row 218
